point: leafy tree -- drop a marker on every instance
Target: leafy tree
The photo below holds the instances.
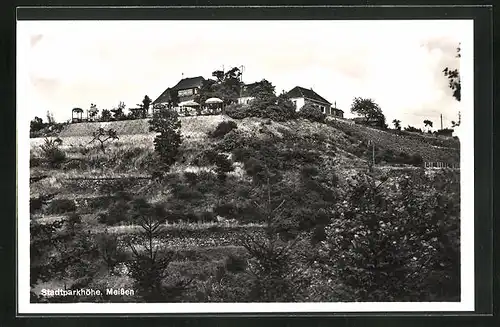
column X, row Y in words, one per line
column 93, row 111
column 453, row 76
column 146, row 102
column 428, row 123
column 105, row 115
column 397, row 124
column 369, row 109
column 166, row 124
column 118, row 111
column 227, row 86
column 454, row 83
column 312, row 113
column 36, row 124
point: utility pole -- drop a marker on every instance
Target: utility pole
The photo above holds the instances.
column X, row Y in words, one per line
column 441, row 121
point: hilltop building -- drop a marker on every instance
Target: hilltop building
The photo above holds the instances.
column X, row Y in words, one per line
column 186, row 90
column 300, row 96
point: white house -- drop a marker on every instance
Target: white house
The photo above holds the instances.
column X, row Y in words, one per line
column 300, row 96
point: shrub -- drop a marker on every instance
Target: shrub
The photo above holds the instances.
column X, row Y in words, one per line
column 312, row 113
column 207, row 216
column 191, row 177
column 60, row 206
column 117, row 213
column 397, row 247
column 205, row 158
column 52, row 154
column 223, row 128
column 231, row 141
column 242, row 154
column 109, row 250
column 74, row 219
column 237, row 111
column 235, row 264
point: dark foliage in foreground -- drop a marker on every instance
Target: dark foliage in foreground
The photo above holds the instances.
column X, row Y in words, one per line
column 398, row 247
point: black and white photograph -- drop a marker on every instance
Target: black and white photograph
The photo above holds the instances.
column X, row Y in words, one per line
column 245, row 166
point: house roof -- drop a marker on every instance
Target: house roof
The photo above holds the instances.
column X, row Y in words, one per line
column 185, row 83
column 188, row 83
column 164, row 97
column 337, row 109
column 301, row 92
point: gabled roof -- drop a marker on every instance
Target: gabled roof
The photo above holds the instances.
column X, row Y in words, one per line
column 164, row 97
column 301, row 92
column 188, row 83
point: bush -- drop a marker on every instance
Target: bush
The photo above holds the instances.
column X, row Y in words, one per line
column 397, row 247
column 117, row 213
column 223, row 128
column 231, row 141
column 52, row 154
column 73, row 220
column 205, row 158
column 237, row 111
column 312, row 113
column 60, row 206
column 191, row 177
column 235, row 264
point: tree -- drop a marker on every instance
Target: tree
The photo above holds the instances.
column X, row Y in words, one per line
column 428, row 123
column 397, row 124
column 369, row 109
column 118, row 112
column 167, row 125
column 454, row 83
column 149, row 267
column 103, row 136
column 36, row 124
column 227, row 86
column 146, row 102
column 93, row 111
column 50, row 118
column 105, row 115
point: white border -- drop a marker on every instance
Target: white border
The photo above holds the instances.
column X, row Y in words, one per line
column 465, row 132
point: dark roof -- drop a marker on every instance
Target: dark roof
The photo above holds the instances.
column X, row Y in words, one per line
column 248, row 88
column 188, row 83
column 77, row 110
column 185, row 83
column 337, row 109
column 164, row 97
column 300, row 92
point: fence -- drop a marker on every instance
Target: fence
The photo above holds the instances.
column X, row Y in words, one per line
column 440, row 164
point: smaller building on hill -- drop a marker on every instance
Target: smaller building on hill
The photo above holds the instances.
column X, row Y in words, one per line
column 300, row 96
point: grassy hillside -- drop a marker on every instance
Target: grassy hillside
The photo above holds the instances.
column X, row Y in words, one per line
column 305, row 169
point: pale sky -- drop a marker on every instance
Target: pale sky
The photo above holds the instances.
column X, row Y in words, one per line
column 399, row 64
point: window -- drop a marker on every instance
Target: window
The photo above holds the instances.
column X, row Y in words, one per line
column 323, row 109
